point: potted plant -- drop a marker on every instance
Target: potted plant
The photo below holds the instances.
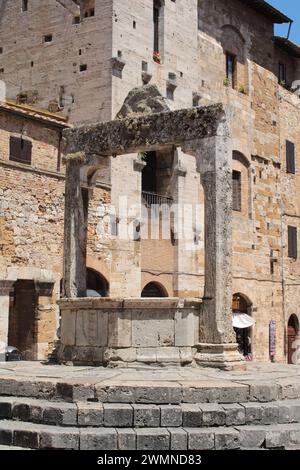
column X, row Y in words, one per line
column 156, row 57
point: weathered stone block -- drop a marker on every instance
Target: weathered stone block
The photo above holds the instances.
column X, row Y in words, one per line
column 23, row 438
column 226, row 439
column 62, row 414
column 5, row 409
column 152, row 329
column 264, row 392
column 74, row 392
column 68, row 327
column 253, row 412
column 146, row 416
column 251, row 437
column 170, row 416
column 179, row 439
column 191, row 415
column 277, row 439
column 118, row 415
column 126, row 439
column 200, row 439
column 90, row 414
column 56, row 438
column 235, row 414
column 21, row 411
column 99, row 439
column 153, row 439
column 212, row 415
column 270, row 413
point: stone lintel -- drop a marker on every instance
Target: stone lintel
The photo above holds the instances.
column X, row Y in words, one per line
column 144, row 132
column 110, row 303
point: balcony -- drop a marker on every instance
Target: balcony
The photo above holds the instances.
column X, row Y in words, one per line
column 150, row 199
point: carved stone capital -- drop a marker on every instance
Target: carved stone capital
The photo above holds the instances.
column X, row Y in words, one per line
column 139, row 165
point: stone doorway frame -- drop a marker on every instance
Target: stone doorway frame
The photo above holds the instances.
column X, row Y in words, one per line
column 202, row 132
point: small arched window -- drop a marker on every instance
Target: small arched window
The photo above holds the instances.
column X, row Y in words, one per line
column 96, row 284
column 155, row 290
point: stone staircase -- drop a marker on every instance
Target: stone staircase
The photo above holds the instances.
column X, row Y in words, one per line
column 48, row 415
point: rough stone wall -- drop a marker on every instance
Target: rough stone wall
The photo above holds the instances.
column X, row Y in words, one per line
column 51, row 70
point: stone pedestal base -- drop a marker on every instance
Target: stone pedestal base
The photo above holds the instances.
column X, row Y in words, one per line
column 222, row 356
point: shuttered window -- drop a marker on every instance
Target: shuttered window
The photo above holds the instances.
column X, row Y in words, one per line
column 236, row 191
column 20, row 150
column 292, row 242
column 290, row 157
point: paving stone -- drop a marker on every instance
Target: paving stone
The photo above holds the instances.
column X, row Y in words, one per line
column 146, row 416
column 170, row 416
column 179, row 439
column 126, row 439
column 226, row 439
column 90, row 414
column 212, row 415
column 235, row 414
column 118, row 415
column 98, row 439
column 200, row 439
column 191, row 415
column 153, row 439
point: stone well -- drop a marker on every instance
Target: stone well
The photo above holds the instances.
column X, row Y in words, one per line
column 121, row 332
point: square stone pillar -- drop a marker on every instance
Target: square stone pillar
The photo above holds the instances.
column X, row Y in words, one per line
column 75, row 231
column 217, row 347
column 6, row 287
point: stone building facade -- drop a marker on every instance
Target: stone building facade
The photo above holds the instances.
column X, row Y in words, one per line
column 82, row 58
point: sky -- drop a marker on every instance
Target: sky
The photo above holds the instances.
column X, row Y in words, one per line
column 292, row 9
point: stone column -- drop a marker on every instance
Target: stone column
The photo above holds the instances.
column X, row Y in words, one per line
column 6, row 287
column 217, row 347
column 75, row 232
column 45, row 320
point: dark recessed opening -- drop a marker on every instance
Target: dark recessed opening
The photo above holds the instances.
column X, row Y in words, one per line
column 48, row 38
column 83, row 67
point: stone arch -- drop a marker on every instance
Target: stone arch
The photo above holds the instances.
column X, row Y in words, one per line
column 97, row 284
column 233, row 42
column 154, row 289
column 241, row 306
column 293, row 335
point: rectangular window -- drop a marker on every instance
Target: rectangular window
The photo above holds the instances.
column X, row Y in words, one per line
column 48, row 38
column 20, row 150
column 236, row 191
column 281, row 73
column 156, row 26
column 24, row 5
column 230, row 68
column 290, row 157
column 292, row 242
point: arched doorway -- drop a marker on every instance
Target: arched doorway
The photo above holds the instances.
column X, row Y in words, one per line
column 293, row 330
column 96, row 284
column 242, row 324
column 155, row 290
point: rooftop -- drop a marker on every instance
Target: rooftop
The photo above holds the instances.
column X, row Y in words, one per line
column 31, row 112
column 288, row 46
column 266, row 9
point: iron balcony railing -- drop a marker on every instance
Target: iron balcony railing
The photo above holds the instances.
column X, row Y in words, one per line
column 150, row 199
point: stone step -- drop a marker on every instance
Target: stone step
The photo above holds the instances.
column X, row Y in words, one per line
column 122, row 415
column 151, row 392
column 39, row 436
column 12, row 448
